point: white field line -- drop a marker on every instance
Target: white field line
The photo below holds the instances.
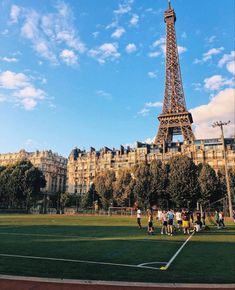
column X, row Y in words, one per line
column 76, row 261
column 177, row 253
column 143, row 265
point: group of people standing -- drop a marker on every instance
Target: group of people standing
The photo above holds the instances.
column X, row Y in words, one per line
column 172, row 220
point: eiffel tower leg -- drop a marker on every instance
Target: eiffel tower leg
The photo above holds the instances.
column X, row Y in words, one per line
column 162, row 135
column 187, row 133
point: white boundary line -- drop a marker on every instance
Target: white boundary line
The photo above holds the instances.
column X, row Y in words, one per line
column 177, row 253
column 143, row 265
column 78, row 261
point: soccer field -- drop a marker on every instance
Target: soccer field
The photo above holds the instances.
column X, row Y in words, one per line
column 112, row 248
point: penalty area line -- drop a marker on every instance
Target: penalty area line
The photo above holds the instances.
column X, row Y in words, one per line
column 76, row 261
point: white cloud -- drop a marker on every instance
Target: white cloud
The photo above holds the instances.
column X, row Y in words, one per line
column 107, row 51
column 181, row 49
column 112, row 24
column 69, row 57
column 43, row 49
column 149, row 140
column 211, row 39
column 216, row 82
column 14, row 14
column 144, row 112
column 18, row 89
column 161, row 44
column 147, row 106
column 104, row 94
column 154, row 104
column 29, row 104
column 71, row 40
column 12, row 80
column 213, row 51
column 95, row 34
column 134, row 20
column 118, row 32
column 154, row 54
column 220, row 107
column 231, row 67
column 184, row 35
column 229, row 60
column 152, row 75
column 208, row 55
column 30, row 92
column 50, row 33
column 197, row 61
column 123, row 8
column 197, row 86
column 130, row 48
column 4, row 32
column 226, row 58
column 159, row 41
column 9, row 59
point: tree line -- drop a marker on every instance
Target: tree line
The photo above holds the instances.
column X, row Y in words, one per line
column 179, row 183
column 20, row 185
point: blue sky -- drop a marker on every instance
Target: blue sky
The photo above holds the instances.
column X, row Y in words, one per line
column 91, row 72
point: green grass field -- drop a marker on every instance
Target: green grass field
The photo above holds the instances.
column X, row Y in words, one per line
column 209, row 256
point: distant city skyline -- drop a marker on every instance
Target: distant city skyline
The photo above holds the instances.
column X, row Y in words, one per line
column 91, row 73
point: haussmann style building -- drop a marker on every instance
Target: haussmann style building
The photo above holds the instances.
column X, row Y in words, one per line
column 53, row 166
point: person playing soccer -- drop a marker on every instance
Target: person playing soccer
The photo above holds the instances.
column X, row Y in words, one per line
column 164, row 222
column 198, row 219
column 221, row 219
column 170, row 220
column 150, row 221
column 139, row 218
column 186, row 219
column 178, row 219
column 217, row 219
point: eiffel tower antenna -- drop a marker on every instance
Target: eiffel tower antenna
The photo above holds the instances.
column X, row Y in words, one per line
column 169, row 4
column 174, row 119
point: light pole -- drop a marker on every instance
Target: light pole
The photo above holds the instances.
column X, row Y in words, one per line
column 221, row 124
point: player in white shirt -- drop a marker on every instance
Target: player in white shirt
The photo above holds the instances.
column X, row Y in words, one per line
column 139, row 218
column 178, row 219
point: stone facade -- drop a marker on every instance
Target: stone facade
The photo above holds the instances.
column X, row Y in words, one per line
column 53, row 166
column 83, row 166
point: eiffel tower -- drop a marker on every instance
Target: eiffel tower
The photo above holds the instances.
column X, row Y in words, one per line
column 174, row 119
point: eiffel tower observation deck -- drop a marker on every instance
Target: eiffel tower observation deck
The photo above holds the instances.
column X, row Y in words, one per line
column 174, row 119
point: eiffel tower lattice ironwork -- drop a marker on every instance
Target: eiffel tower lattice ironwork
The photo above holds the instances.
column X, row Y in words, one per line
column 174, row 119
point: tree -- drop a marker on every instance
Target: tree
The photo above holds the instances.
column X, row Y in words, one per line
column 142, row 184
column 64, row 198
column 222, row 183
column 183, row 185
column 208, row 183
column 123, row 187
column 7, row 192
column 34, row 180
column 104, row 186
column 158, row 183
column 232, row 182
column 20, row 183
column 90, row 197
